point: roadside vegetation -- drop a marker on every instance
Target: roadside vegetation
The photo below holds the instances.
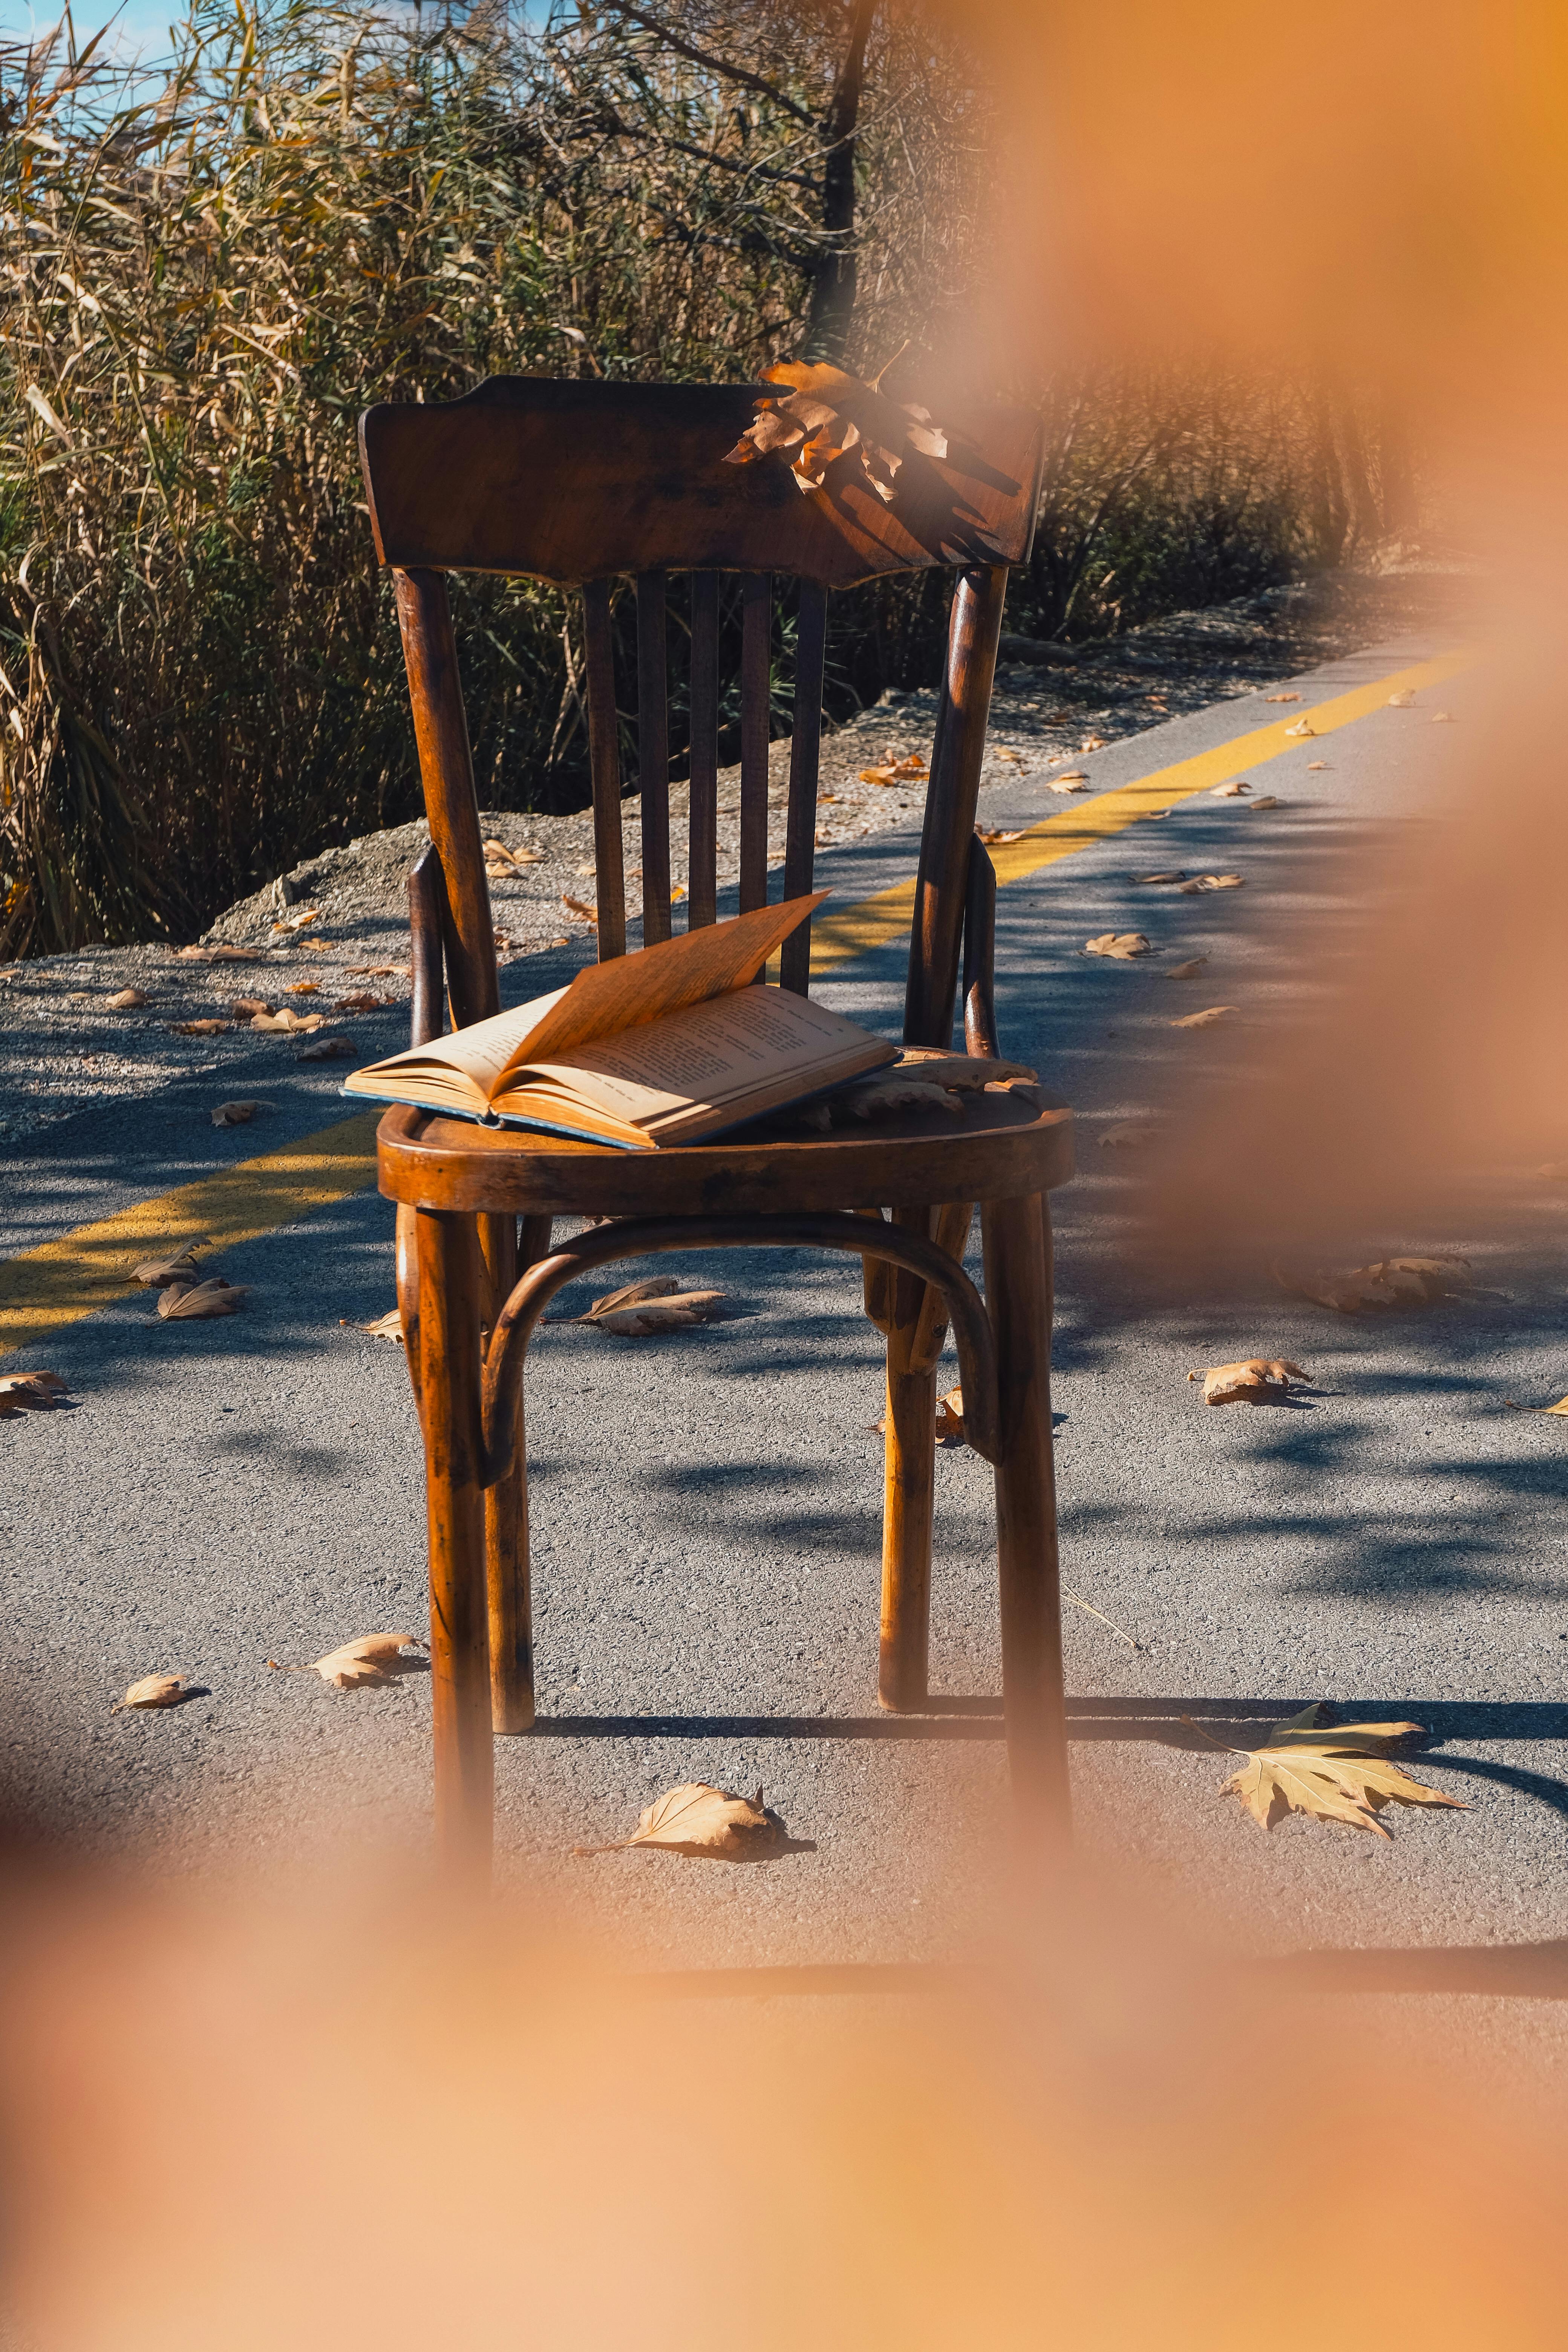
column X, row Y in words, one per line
column 206, row 281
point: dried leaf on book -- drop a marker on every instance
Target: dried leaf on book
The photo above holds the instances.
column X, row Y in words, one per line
column 641, row 1309
column 198, row 1302
column 1390, row 1282
column 125, row 1000
column 152, row 1690
column 373, row 1658
column 1256, row 1379
column 1121, row 946
column 1337, row 1774
column 1204, row 1020
column 697, row 1819
column 30, row 1392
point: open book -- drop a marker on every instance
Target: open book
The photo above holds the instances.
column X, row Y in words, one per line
column 664, row 1047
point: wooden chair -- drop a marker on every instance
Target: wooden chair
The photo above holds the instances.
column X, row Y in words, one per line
column 575, row 483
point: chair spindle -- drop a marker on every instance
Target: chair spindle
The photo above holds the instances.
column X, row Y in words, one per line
column 702, row 835
column 756, row 665
column 804, row 759
column 604, row 758
column 652, row 755
column 951, row 800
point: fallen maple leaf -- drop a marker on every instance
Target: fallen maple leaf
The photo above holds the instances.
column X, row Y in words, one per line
column 642, row 1308
column 125, row 1000
column 1210, row 882
column 373, row 1658
column 30, row 1392
column 325, row 1049
column 160, row 1271
column 1339, row 1775
column 697, row 1819
column 1121, row 945
column 1391, row 1282
column 1229, row 792
column 1188, row 970
column 200, row 1028
column 152, row 1690
column 821, row 416
column 387, row 1327
column 1205, row 1019
column 1303, row 727
column 895, row 771
column 289, row 1024
column 1281, row 697
column 1257, row 1380
column 235, row 1114
column 187, row 1302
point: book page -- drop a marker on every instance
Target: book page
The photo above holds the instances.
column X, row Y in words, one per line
column 479, row 1052
column 704, row 1055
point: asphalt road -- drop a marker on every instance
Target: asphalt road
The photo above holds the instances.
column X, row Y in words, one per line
column 706, row 1504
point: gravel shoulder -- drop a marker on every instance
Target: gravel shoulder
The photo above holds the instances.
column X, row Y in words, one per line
column 329, row 938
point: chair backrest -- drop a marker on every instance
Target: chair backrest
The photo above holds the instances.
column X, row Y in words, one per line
column 580, row 482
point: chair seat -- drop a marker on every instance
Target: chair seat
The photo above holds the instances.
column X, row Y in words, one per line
column 1000, row 1149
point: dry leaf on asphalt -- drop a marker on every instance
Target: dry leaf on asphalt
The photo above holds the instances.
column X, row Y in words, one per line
column 374, row 971
column 1303, row 727
column 1005, row 751
column 304, row 987
column 696, row 1819
column 1337, row 1774
column 325, row 1049
column 246, row 1008
column 579, row 907
column 500, row 859
column 298, row 918
column 289, row 1024
column 1560, row 1406
column 1210, row 882
column 1281, row 697
column 1123, row 946
column 643, row 1309
column 126, row 999
column 1442, row 718
column 30, row 1392
column 198, row 1302
column 373, row 1658
column 1403, row 700
column 994, row 834
column 200, row 1028
column 895, row 771
column 1188, row 970
column 387, row 1327
column 1265, row 800
column 1513, row 1404
column 1076, row 782
column 1391, row 1282
column 152, row 1690
column 160, row 1271
column 1257, row 1380
column 1150, row 880
column 360, row 999
column 950, row 1429
column 1313, row 765
column 1205, row 1019
column 219, row 955
column 235, row 1114
column 1128, row 1135
column 1229, row 792
column 1092, row 743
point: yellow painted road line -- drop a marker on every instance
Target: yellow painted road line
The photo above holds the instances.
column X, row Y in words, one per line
column 837, row 938
column 63, row 1280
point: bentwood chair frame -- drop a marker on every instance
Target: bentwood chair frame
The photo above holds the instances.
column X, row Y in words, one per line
column 577, row 483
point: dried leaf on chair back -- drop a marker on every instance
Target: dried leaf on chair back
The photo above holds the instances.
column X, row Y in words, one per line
column 820, row 417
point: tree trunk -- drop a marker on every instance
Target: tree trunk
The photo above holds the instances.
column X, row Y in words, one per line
column 833, row 285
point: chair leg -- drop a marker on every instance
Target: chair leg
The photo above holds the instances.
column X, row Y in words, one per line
column 507, row 1575
column 909, row 1492
column 1017, row 1240
column 451, row 1293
